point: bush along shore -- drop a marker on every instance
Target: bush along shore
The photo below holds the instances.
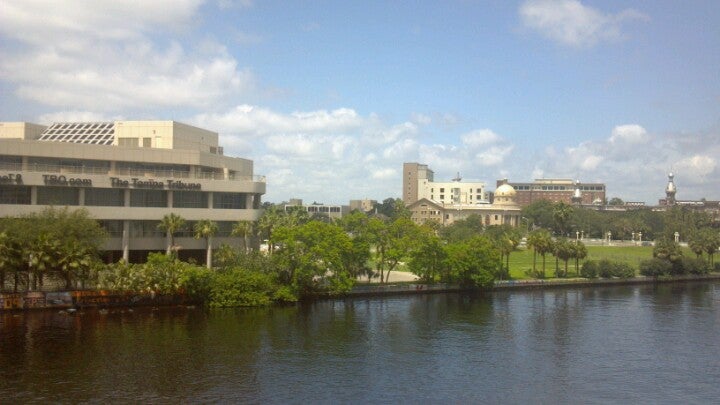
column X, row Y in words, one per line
column 103, row 299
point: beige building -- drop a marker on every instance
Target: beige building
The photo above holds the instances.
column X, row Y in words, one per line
column 128, row 175
column 503, row 211
column 419, row 183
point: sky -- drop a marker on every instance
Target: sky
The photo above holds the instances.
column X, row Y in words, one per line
column 329, row 98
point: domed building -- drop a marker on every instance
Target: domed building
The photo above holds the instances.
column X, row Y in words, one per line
column 504, row 209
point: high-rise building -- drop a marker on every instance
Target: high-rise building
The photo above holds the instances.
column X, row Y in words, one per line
column 128, row 175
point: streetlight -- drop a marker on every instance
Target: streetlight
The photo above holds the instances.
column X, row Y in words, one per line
column 640, row 237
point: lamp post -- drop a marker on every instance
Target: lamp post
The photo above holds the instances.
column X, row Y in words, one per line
column 577, row 236
column 640, row 237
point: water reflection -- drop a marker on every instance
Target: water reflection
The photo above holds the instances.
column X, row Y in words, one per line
column 614, row 344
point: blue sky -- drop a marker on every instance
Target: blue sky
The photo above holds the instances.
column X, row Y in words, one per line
column 330, row 98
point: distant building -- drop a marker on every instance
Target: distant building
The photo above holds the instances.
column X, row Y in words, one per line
column 419, row 183
column 362, row 205
column 710, row 207
column 558, row 190
column 331, row 211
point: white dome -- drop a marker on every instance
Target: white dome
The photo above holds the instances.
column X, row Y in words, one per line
column 505, row 190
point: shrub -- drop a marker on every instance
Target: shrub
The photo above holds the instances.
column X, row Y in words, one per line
column 694, row 266
column 623, row 270
column 589, row 269
column 239, row 287
column 655, row 267
column 604, row 268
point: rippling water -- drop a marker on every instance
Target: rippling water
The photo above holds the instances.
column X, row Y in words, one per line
column 626, row 344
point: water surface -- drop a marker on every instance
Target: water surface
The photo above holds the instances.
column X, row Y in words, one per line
column 628, row 344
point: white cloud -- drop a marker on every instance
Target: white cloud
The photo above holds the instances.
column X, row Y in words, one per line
column 479, row 138
column 634, row 163
column 696, row 167
column 631, row 134
column 248, row 119
column 571, row 23
column 107, row 59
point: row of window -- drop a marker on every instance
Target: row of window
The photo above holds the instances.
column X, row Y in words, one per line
column 557, row 188
column 455, row 190
column 110, row 197
column 149, row 229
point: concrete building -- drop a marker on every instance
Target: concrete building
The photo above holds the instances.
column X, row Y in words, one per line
column 331, row 211
column 712, row 208
column 558, row 190
column 128, row 175
column 362, row 205
column 503, row 211
column 419, row 183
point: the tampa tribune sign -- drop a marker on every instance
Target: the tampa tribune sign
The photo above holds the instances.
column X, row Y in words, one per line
column 116, row 182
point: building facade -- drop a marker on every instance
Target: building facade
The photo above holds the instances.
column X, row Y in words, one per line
column 128, row 175
column 330, row 210
column 419, row 183
column 503, row 211
column 558, row 190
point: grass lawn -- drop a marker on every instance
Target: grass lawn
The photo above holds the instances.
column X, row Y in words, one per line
column 522, row 260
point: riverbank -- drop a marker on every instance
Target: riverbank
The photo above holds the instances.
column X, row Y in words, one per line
column 63, row 300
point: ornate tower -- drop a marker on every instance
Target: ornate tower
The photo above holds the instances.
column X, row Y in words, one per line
column 577, row 195
column 670, row 190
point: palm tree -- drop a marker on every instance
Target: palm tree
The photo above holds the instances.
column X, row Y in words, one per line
column 579, row 252
column 244, row 229
column 542, row 244
column 206, row 228
column 561, row 215
column 171, row 224
column 268, row 221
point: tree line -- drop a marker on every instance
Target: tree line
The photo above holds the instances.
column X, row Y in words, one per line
column 307, row 255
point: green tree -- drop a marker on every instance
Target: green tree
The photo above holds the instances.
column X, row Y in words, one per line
column 616, row 201
column 244, row 229
column 463, row 229
column 427, row 256
column 507, row 239
column 271, row 218
column 315, row 256
column 11, row 259
column 392, row 209
column 171, row 224
column 206, row 229
column 579, row 252
column 711, row 243
column 391, row 242
column 472, row 263
column 542, row 244
column 564, row 250
column 561, row 216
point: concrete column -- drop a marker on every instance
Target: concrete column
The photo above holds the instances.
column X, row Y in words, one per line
column 171, row 201
column 112, row 167
column 33, row 195
column 249, row 201
column 211, row 199
column 126, row 241
column 81, row 197
column 25, row 163
column 126, row 197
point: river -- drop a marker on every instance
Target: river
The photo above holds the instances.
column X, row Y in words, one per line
column 618, row 344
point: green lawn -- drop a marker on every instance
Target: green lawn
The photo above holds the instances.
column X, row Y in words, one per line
column 522, row 260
